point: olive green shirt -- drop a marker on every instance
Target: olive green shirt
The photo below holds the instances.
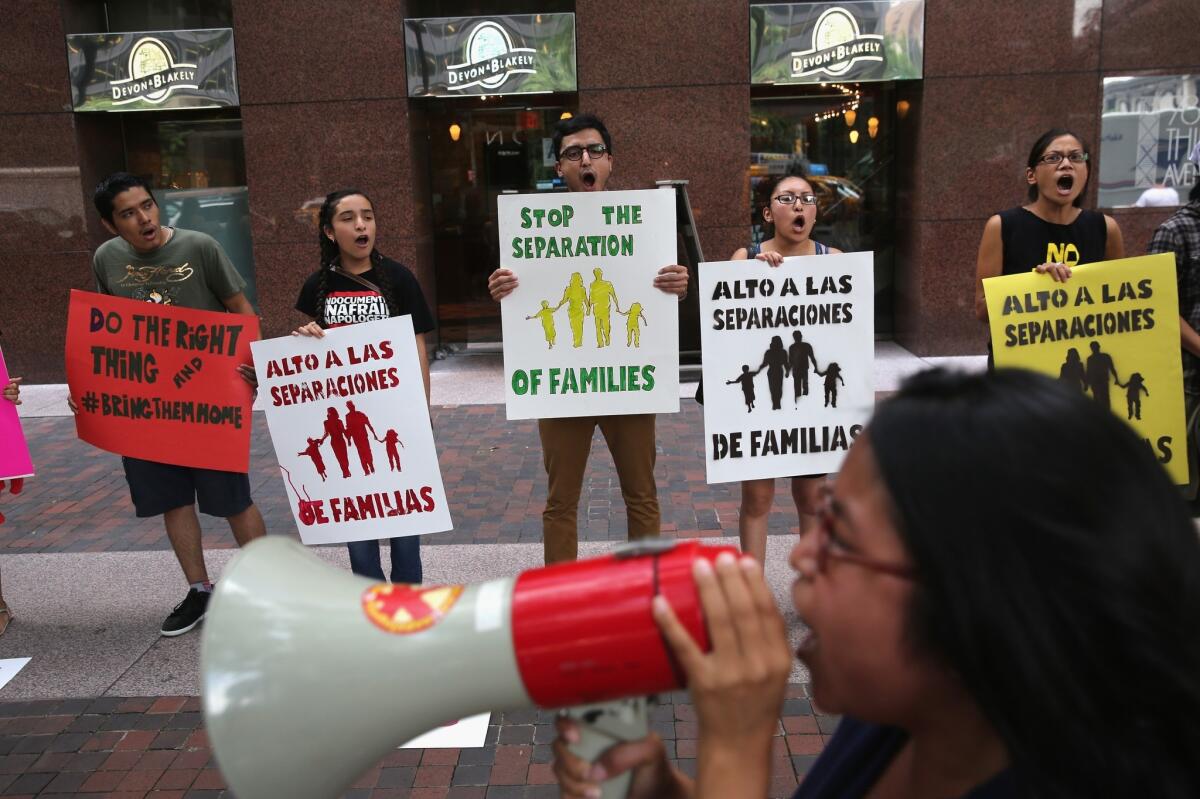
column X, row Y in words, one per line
column 190, row 270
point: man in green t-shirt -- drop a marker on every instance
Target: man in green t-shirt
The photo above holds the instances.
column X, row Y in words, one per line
column 170, row 266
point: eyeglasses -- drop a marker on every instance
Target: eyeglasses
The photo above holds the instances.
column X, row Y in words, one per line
column 575, row 152
column 791, row 199
column 831, row 548
column 1056, row 158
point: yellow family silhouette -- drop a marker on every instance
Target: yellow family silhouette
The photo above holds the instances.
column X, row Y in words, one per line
column 598, row 300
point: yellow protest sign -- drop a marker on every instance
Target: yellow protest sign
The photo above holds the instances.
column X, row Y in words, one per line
column 1112, row 331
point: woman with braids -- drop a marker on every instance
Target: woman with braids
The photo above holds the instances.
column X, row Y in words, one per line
column 357, row 284
column 1002, row 599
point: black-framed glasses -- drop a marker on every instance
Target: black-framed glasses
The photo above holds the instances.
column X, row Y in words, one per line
column 787, row 198
column 1054, row 159
column 575, row 151
column 831, row 548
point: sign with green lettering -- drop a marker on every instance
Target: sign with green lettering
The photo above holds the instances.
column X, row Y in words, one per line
column 586, row 333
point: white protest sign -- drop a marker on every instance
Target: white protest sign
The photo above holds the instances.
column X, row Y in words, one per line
column 788, row 363
column 586, row 332
column 350, row 425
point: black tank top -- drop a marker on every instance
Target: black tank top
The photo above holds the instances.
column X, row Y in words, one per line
column 1029, row 240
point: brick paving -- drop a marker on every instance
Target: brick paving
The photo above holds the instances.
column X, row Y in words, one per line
column 157, row 747
column 492, row 469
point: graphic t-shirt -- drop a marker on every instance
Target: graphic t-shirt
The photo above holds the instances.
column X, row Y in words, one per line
column 190, row 270
column 348, row 302
column 1029, row 241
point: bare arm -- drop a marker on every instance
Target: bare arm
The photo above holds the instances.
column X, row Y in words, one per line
column 239, row 304
column 1114, row 247
column 1189, row 337
column 424, row 358
column 990, row 263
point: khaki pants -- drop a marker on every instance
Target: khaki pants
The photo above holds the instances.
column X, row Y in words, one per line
column 566, row 444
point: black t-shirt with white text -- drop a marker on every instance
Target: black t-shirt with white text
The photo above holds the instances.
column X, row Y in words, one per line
column 348, row 302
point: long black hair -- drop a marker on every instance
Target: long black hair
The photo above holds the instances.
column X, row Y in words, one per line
column 331, row 254
column 1058, row 577
column 1039, row 148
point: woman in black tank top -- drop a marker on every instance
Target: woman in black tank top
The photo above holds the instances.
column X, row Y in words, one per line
column 1051, row 233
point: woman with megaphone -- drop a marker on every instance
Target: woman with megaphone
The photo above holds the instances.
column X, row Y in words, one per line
column 1002, row 598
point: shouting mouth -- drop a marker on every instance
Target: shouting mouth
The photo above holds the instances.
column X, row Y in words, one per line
column 363, row 240
column 1064, row 184
column 589, row 180
column 148, row 234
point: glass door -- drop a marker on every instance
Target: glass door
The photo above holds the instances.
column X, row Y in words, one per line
column 842, row 136
column 477, row 153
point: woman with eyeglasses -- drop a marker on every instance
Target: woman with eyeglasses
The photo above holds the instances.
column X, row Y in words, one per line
column 789, row 209
column 1052, row 232
column 986, row 628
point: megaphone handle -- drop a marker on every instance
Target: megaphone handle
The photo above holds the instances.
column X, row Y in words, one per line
column 603, row 725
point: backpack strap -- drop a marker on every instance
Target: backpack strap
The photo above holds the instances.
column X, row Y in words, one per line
column 362, row 281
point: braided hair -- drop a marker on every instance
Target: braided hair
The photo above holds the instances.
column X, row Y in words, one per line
column 331, row 255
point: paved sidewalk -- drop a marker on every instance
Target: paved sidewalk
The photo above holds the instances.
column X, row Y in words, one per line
column 106, row 707
column 157, row 747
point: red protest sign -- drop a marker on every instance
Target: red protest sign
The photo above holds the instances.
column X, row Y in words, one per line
column 160, row 382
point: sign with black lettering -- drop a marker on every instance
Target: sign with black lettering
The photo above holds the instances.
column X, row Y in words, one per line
column 789, row 356
column 160, row 382
column 1110, row 332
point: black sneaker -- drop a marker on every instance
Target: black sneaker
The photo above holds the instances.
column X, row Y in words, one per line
column 188, row 613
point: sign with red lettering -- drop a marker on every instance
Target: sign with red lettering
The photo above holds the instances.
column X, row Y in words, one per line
column 160, row 382
column 350, row 424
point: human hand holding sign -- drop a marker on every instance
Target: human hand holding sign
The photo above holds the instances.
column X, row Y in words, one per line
column 12, row 390
column 501, row 283
column 1061, row 273
column 672, row 279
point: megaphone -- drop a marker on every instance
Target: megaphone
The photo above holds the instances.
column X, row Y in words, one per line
column 312, row 675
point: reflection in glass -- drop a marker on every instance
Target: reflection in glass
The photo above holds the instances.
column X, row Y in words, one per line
column 1150, row 129
column 498, row 151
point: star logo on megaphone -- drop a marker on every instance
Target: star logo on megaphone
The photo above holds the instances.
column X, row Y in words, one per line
column 404, row 609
